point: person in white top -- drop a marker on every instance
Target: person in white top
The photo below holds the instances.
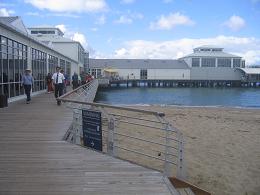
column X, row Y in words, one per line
column 58, row 82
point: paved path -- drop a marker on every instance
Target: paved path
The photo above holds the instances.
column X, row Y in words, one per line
column 34, row 159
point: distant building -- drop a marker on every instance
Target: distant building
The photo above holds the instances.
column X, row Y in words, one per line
column 206, row 63
column 39, row 49
column 211, row 63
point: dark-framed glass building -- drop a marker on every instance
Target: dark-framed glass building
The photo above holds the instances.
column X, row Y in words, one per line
column 19, row 51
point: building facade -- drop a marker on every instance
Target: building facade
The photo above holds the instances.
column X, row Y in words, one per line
column 207, row 63
column 139, row 69
column 19, row 50
column 53, row 37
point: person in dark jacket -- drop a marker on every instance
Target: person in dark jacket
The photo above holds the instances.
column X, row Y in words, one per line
column 49, row 83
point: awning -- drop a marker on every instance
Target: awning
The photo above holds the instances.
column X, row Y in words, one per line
column 250, row 70
column 110, row 70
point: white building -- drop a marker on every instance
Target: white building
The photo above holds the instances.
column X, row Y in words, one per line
column 19, row 50
column 211, row 63
column 207, row 63
column 53, row 37
column 140, row 69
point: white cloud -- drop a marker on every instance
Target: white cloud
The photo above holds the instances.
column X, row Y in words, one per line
column 101, row 20
column 127, row 1
column 73, row 35
column 62, row 27
column 171, row 21
column 124, row 20
column 70, row 6
column 80, row 38
column 235, row 23
column 129, row 17
column 246, row 47
column 5, row 12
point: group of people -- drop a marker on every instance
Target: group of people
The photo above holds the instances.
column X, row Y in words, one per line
column 82, row 79
column 57, row 81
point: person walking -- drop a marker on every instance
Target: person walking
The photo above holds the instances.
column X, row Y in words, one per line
column 49, row 83
column 58, row 81
column 65, row 82
column 27, row 82
column 75, row 81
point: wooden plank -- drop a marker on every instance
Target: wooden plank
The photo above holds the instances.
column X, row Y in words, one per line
column 35, row 160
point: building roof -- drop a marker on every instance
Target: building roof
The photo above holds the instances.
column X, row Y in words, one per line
column 46, row 28
column 8, row 20
column 9, row 26
column 209, row 47
column 14, row 21
column 209, row 54
column 250, row 70
column 137, row 64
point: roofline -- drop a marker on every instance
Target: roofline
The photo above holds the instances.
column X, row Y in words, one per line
column 31, row 28
column 68, row 42
column 26, row 35
column 132, row 59
column 242, row 69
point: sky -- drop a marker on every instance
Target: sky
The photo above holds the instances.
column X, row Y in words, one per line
column 149, row 29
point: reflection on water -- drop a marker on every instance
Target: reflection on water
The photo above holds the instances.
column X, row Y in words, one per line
column 231, row 97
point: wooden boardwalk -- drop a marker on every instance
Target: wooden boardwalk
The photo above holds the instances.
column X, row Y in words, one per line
column 34, row 159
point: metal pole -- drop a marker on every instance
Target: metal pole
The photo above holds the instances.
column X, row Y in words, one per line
column 167, row 166
column 180, row 165
column 110, row 137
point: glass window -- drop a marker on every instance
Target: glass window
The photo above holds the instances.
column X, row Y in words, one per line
column 10, row 43
column 236, row 63
column 224, row 62
column 3, row 40
column 195, row 62
column 208, row 62
column 1, row 71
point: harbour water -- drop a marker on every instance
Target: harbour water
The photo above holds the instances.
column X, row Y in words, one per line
column 222, row 97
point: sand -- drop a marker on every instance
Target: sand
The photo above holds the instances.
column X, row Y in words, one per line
column 222, row 147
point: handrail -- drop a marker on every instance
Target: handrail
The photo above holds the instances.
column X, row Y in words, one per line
column 161, row 114
column 131, row 129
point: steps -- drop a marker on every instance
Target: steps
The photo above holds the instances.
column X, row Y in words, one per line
column 185, row 188
column 185, row 191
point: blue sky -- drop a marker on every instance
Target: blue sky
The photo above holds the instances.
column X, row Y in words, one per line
column 148, row 28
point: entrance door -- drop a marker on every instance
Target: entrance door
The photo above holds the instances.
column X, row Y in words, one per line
column 143, row 74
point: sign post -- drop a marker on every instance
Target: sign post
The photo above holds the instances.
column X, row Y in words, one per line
column 92, row 129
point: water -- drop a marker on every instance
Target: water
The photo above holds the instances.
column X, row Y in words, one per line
column 226, row 97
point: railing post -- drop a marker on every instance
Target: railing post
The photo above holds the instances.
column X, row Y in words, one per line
column 77, row 127
column 111, row 137
column 180, row 164
column 167, row 165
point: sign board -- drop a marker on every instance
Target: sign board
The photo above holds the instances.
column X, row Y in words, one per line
column 92, row 129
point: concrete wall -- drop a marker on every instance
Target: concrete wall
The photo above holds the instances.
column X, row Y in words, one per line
column 169, row 74
column 160, row 74
column 214, row 74
column 129, row 73
column 67, row 49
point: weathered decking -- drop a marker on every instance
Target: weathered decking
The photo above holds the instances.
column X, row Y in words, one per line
column 34, row 159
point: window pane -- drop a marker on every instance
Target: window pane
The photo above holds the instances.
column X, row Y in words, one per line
column 195, row 62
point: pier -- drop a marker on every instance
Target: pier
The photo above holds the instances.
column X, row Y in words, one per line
column 34, row 159
column 181, row 83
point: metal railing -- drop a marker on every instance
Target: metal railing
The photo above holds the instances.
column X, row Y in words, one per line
column 141, row 136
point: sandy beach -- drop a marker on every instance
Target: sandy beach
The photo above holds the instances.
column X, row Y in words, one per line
column 222, row 147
